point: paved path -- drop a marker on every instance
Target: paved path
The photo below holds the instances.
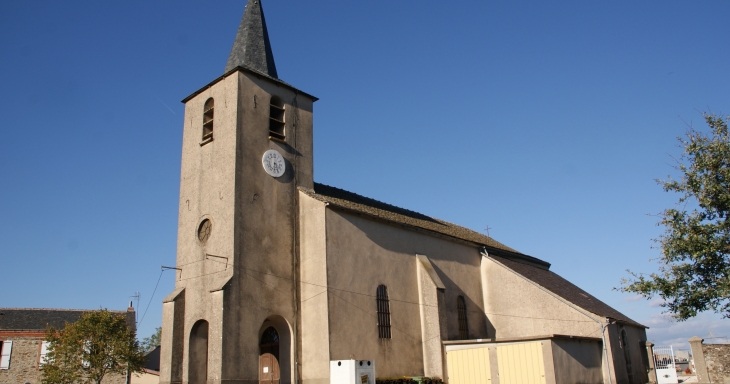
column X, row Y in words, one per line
column 687, row 379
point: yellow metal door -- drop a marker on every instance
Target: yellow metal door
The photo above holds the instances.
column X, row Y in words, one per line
column 468, row 366
column 521, row 363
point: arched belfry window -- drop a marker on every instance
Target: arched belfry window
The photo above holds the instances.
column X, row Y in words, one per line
column 276, row 118
column 208, row 120
column 383, row 312
column 463, row 325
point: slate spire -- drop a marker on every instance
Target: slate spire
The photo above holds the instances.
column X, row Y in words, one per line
column 252, row 48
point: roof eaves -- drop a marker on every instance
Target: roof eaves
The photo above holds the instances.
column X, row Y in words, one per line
column 252, row 71
column 491, row 248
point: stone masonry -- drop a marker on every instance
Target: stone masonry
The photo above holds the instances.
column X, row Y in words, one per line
column 23, row 361
column 717, row 359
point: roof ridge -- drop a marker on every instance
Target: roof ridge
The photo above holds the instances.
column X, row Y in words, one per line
column 59, row 309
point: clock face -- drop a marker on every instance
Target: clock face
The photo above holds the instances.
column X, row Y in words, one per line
column 273, row 163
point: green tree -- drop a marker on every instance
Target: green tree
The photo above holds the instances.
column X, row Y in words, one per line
column 150, row 343
column 98, row 344
column 694, row 271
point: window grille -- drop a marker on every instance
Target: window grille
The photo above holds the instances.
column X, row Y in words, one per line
column 463, row 325
column 383, row 312
column 276, row 118
column 208, row 120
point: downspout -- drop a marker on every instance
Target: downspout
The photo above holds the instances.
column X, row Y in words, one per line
column 483, row 252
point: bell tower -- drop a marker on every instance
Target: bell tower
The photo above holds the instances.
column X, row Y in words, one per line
column 247, row 148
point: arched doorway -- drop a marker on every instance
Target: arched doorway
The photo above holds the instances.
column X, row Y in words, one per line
column 198, row 353
column 269, row 372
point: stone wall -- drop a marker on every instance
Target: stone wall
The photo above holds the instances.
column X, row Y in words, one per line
column 23, row 361
column 24, row 358
column 717, row 360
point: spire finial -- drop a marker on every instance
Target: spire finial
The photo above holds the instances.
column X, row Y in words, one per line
column 252, row 48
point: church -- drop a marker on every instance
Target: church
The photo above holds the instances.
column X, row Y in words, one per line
column 277, row 276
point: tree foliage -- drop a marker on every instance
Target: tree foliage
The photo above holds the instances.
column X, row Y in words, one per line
column 98, row 344
column 694, row 272
column 150, row 343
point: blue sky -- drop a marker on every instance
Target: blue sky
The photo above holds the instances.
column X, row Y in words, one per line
column 545, row 122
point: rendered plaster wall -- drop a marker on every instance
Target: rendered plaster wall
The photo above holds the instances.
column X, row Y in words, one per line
column 242, row 277
column 577, row 361
column 717, row 359
column 633, row 350
column 517, row 308
column 313, row 286
column 263, row 289
column 207, row 191
column 144, row 378
column 431, row 293
column 363, row 253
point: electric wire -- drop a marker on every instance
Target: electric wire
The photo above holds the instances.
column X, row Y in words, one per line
column 396, row 300
column 153, row 295
column 330, row 289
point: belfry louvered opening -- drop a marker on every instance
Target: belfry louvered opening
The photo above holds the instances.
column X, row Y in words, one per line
column 276, row 118
column 383, row 312
column 208, row 119
column 463, row 325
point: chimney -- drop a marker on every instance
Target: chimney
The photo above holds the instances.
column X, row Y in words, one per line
column 131, row 318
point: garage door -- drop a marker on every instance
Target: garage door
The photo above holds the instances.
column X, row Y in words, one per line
column 468, row 366
column 521, row 363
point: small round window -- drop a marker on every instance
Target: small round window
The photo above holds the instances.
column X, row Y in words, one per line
column 204, row 230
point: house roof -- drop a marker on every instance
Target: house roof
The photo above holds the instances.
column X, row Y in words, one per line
column 565, row 289
column 39, row 318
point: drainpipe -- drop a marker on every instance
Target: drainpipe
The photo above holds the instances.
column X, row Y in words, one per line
column 483, row 252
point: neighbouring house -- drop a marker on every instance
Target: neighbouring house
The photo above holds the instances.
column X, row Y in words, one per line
column 22, row 348
column 151, row 371
column 278, row 275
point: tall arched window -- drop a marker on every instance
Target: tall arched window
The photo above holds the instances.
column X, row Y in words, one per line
column 463, row 324
column 383, row 312
column 276, row 118
column 208, row 120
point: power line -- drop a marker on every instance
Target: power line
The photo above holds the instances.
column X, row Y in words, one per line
column 328, row 288
column 153, row 295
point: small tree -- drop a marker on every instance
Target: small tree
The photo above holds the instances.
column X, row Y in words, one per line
column 150, row 343
column 694, row 272
column 98, row 344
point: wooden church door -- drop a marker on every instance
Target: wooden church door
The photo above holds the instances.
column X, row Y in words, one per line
column 269, row 357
